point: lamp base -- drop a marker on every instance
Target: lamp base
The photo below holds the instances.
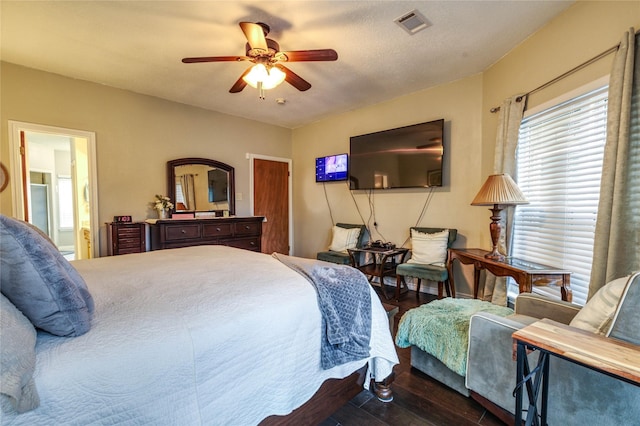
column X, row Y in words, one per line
column 495, row 229
column 495, row 255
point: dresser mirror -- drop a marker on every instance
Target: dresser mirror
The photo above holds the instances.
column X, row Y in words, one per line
column 201, row 184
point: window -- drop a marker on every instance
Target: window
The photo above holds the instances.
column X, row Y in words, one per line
column 559, row 165
column 65, row 202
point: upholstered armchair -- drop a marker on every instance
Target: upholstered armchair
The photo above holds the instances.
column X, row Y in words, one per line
column 577, row 395
column 337, row 252
column 432, row 271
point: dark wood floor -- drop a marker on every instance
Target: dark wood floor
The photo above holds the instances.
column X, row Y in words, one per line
column 418, row 399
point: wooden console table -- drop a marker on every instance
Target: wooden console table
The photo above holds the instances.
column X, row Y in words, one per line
column 613, row 357
column 525, row 273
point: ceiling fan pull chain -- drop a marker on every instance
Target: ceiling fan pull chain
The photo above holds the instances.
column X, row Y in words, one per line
column 260, row 90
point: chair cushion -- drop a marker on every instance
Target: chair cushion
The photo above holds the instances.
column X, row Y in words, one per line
column 597, row 314
column 40, row 282
column 429, row 249
column 333, row 257
column 425, row 272
column 344, row 239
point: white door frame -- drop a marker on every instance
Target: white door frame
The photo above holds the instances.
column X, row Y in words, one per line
column 15, row 127
column 251, row 158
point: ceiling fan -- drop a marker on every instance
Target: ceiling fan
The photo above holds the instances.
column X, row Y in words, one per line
column 267, row 71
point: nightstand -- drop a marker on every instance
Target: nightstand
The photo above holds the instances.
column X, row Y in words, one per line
column 126, row 237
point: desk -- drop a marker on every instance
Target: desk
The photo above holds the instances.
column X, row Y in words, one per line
column 613, row 357
column 383, row 264
column 525, row 273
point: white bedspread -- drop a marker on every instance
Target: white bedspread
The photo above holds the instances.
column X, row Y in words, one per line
column 198, row 335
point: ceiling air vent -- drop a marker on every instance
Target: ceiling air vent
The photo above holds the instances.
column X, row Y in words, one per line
column 412, row 22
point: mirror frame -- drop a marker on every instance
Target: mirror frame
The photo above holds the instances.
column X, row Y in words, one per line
column 171, row 178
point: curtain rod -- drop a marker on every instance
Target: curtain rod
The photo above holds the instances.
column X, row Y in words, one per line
column 566, row 74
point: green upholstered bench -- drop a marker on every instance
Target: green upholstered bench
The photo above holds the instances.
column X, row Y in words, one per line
column 435, row 273
column 339, row 257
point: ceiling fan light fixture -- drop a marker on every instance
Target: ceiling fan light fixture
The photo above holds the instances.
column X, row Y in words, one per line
column 270, row 78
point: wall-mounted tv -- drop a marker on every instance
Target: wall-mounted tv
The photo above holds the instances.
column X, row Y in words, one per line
column 406, row 157
column 332, row 168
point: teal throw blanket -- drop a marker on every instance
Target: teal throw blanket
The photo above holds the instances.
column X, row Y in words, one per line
column 441, row 328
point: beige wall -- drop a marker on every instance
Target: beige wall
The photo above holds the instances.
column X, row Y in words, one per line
column 580, row 33
column 136, row 135
column 460, row 104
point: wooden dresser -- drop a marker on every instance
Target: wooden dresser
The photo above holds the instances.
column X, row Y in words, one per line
column 125, row 238
column 240, row 232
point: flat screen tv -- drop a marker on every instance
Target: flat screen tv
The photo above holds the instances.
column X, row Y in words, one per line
column 406, row 157
column 217, row 185
column 332, row 168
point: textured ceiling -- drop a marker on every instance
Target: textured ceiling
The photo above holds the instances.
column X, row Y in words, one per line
column 138, row 45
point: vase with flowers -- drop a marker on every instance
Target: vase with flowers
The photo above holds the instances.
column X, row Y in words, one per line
column 162, row 204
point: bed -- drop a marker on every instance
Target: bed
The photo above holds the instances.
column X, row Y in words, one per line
column 189, row 336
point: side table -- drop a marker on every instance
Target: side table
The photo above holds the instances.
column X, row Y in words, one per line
column 383, row 264
column 525, row 273
column 609, row 356
column 125, row 238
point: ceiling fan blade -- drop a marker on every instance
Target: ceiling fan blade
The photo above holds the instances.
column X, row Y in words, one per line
column 294, row 79
column 255, row 35
column 214, row 59
column 311, row 55
column 240, row 83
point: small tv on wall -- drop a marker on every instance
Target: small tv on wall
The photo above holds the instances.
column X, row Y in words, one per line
column 405, row 157
column 332, row 168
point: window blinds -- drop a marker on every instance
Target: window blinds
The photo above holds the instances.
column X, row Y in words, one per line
column 559, row 164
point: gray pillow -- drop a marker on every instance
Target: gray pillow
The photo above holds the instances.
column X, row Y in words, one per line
column 40, row 282
column 17, row 358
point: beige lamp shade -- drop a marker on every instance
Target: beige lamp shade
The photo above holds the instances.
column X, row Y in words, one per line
column 499, row 189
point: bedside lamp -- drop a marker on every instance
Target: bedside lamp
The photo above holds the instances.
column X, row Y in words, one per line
column 498, row 191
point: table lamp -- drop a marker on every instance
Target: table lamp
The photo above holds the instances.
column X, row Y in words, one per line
column 499, row 191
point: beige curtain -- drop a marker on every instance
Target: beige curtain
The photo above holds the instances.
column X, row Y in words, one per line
column 511, row 112
column 188, row 193
column 616, row 250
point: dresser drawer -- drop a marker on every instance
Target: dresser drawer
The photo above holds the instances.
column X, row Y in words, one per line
column 181, row 232
column 248, row 228
column 217, row 230
column 244, row 243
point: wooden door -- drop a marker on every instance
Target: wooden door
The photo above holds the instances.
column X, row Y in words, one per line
column 271, row 200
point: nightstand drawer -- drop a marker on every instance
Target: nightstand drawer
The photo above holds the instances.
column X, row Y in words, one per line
column 181, row 232
column 128, row 231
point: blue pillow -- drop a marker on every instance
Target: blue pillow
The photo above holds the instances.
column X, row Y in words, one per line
column 40, row 282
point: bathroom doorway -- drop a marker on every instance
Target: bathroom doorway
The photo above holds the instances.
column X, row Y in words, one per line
column 55, row 185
